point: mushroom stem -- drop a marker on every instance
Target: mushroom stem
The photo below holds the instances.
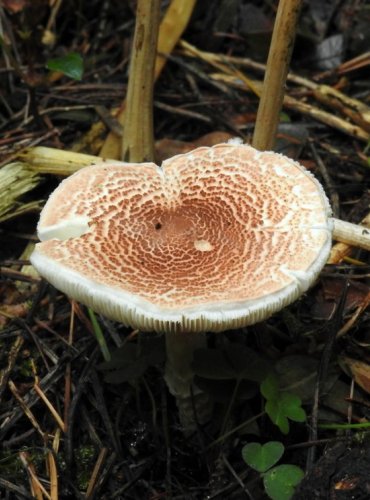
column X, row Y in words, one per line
column 194, row 405
column 352, row 234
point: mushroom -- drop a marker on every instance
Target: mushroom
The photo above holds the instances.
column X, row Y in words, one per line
column 215, row 239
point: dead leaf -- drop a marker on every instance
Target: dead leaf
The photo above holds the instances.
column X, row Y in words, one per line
column 213, row 138
column 359, row 370
column 14, row 6
column 298, row 373
column 8, row 312
column 166, row 148
column 329, row 294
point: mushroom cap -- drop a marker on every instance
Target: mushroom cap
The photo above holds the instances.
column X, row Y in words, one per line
column 215, row 239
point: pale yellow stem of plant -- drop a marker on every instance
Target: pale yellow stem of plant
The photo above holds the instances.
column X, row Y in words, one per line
column 342, row 250
column 138, row 137
column 16, row 179
column 45, row 160
column 172, row 26
column 276, row 72
column 351, row 234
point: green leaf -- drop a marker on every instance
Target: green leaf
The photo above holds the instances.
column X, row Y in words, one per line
column 284, row 118
column 281, row 481
column 99, row 335
column 281, row 405
column 292, row 407
column 70, row 65
column 262, row 457
column 270, row 387
column 277, row 415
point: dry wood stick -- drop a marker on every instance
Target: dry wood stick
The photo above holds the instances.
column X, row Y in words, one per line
column 138, row 137
column 276, row 72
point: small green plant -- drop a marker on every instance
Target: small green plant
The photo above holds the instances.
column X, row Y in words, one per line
column 281, row 406
column 279, row 481
column 70, row 65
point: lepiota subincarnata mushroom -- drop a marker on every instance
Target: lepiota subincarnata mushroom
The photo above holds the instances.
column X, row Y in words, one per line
column 215, row 239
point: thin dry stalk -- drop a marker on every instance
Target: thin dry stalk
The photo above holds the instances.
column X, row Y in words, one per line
column 95, row 473
column 351, row 108
column 51, row 408
column 356, row 63
column 138, row 135
column 68, row 372
column 172, row 26
column 38, row 491
column 341, row 250
column 56, row 441
column 12, row 358
column 16, row 179
column 327, row 118
column 352, row 234
column 354, row 109
column 26, row 409
column 53, row 475
column 53, row 161
column 277, row 69
column 350, row 323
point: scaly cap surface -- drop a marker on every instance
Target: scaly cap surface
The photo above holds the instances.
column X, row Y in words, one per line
column 215, row 239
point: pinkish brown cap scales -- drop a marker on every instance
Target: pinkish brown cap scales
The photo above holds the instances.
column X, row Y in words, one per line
column 215, row 239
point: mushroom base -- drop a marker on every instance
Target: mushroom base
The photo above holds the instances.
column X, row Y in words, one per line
column 195, row 407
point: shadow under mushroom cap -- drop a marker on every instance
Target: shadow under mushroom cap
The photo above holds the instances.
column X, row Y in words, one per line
column 214, row 239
